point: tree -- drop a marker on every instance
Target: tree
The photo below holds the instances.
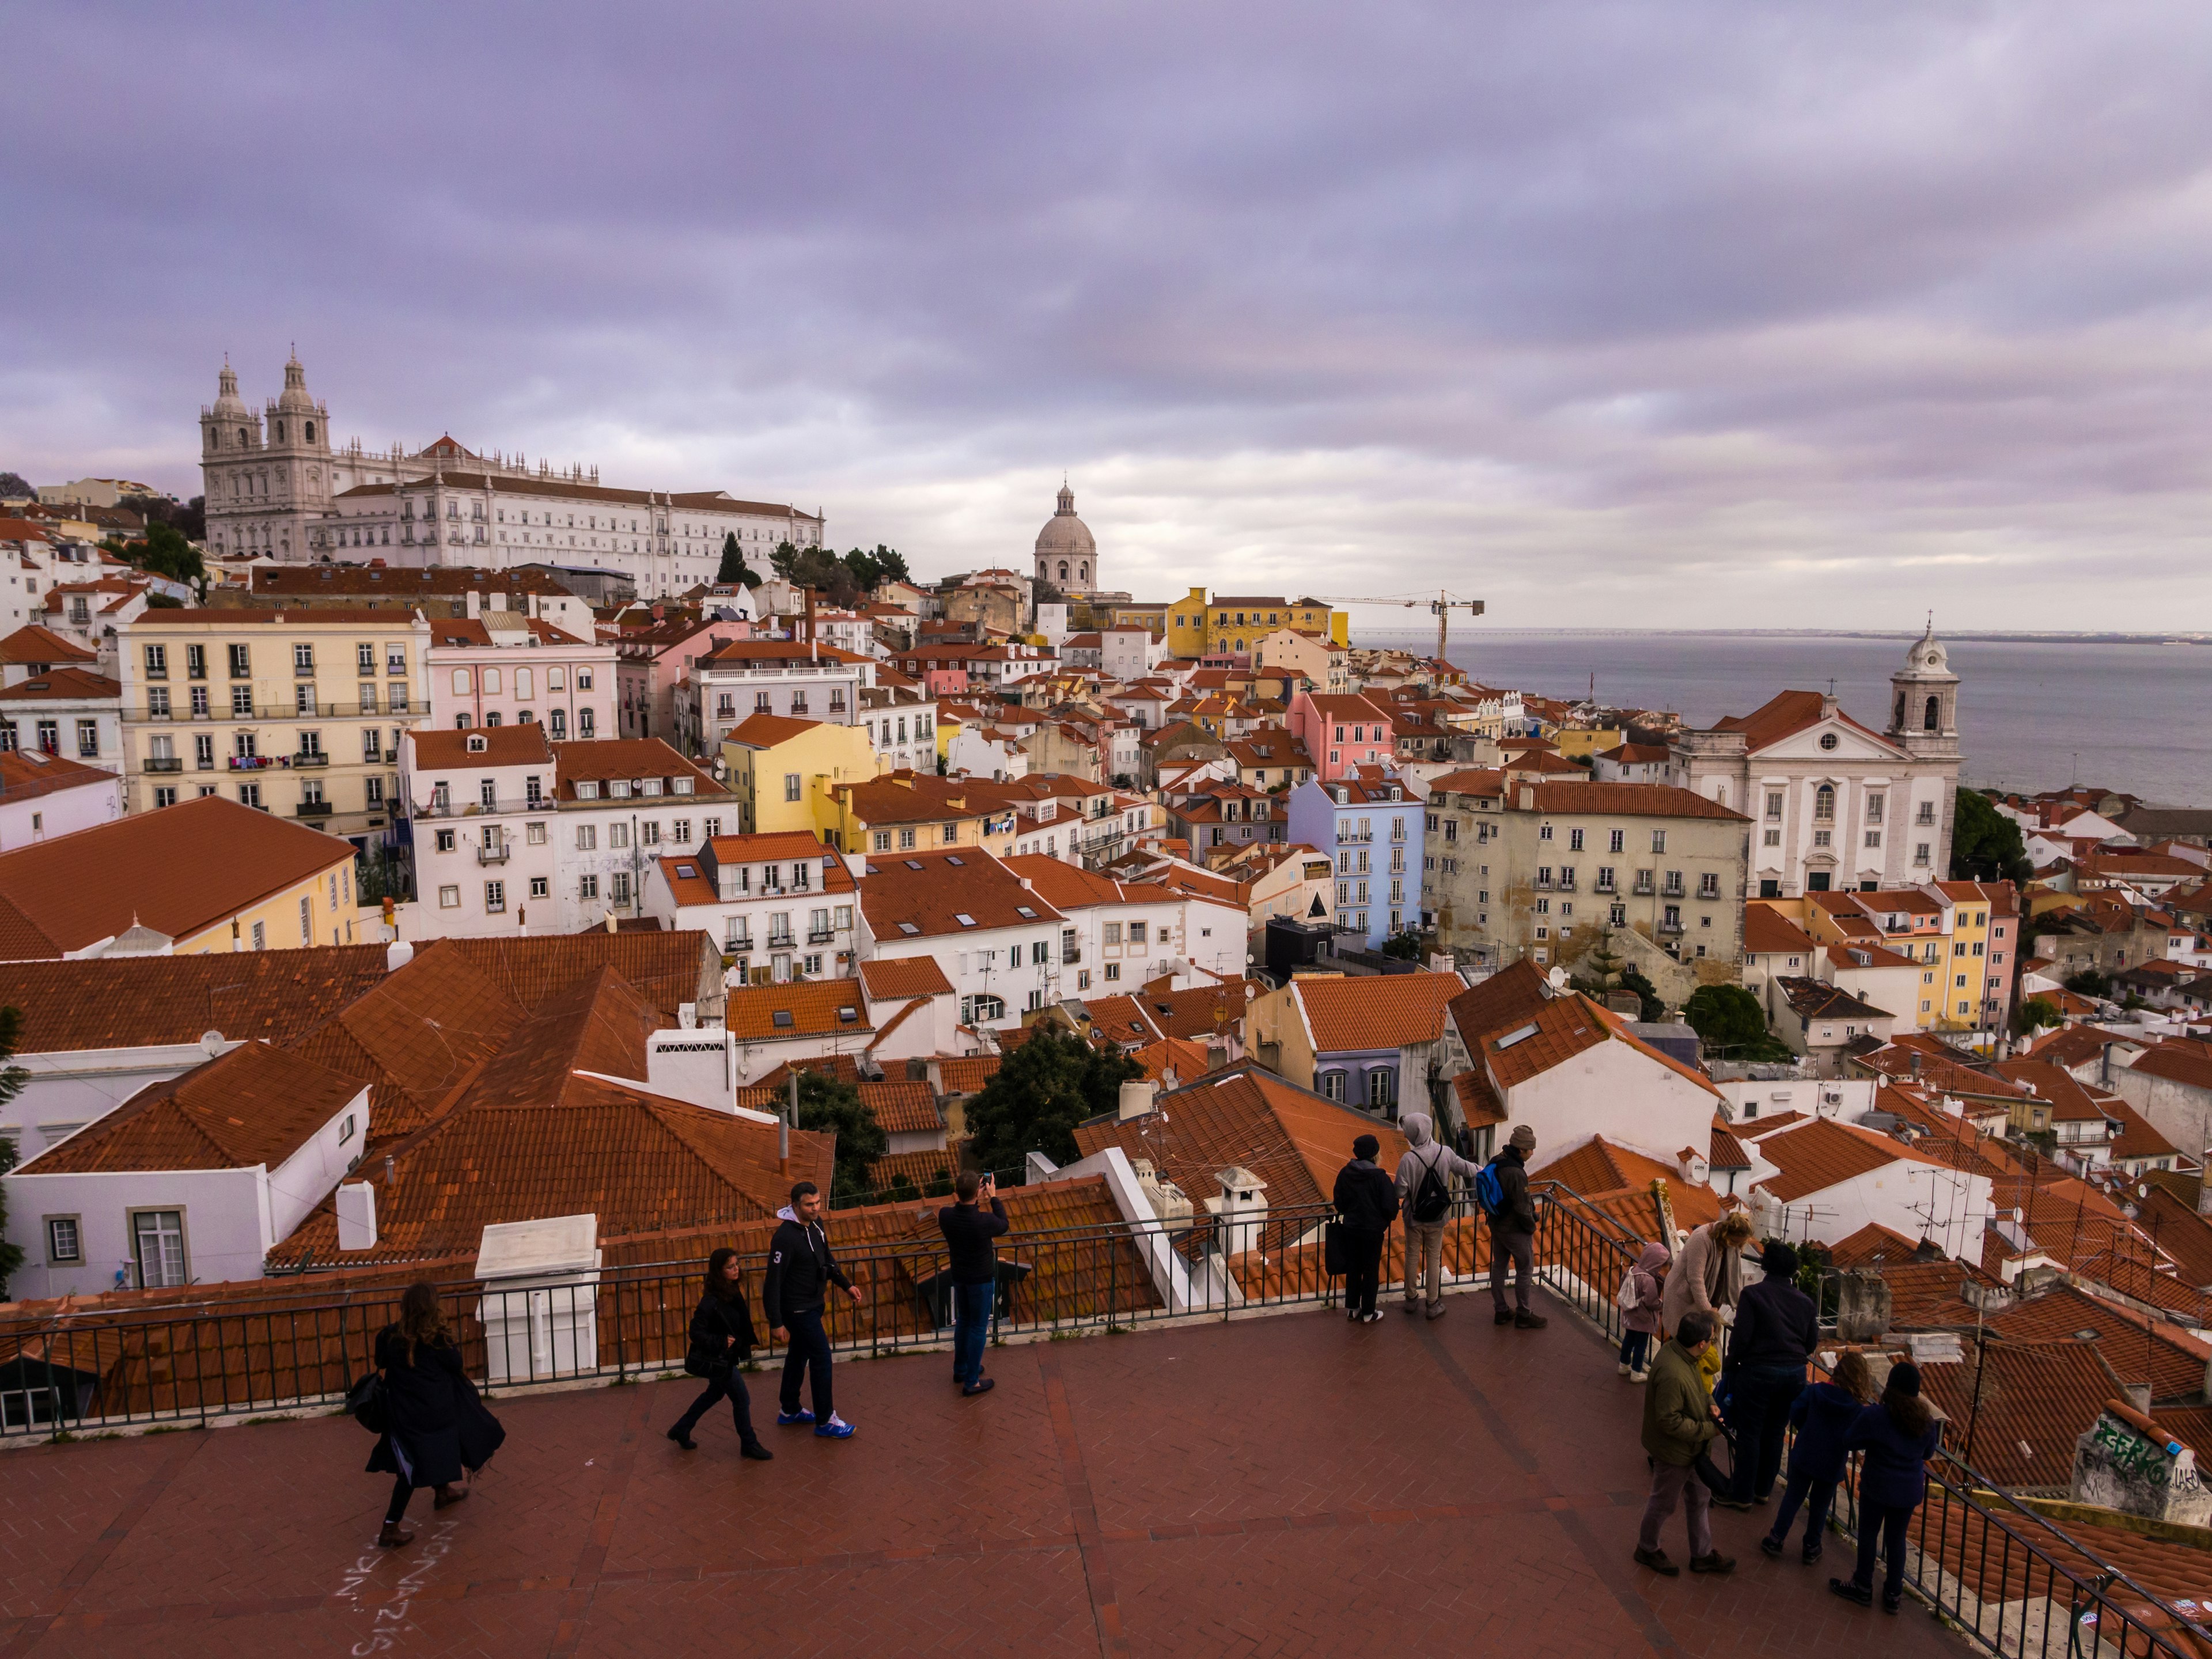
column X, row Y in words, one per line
column 2090, row 982
column 167, row 553
column 1602, row 966
column 734, row 571
column 864, row 570
column 1041, row 1091
column 827, row 1105
column 1727, row 1017
column 12, row 1078
column 892, row 564
column 1985, row 844
column 15, row 487
column 2034, row 1015
column 1633, row 978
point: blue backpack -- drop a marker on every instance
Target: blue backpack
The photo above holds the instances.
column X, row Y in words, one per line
column 1488, row 1190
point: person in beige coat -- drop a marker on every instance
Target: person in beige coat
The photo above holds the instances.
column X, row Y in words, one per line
column 1707, row 1273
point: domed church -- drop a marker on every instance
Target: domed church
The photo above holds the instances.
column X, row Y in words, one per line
column 1067, row 557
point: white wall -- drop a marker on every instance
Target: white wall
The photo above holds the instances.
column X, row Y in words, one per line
column 228, row 1226
column 29, row 818
column 1614, row 1091
column 1909, row 1197
column 963, row 960
column 305, row 1179
column 68, row 1089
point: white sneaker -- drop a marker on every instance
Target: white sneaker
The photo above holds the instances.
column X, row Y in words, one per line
column 1624, row 1368
column 1638, row 1376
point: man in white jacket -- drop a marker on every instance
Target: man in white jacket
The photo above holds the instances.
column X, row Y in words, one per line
column 1424, row 1180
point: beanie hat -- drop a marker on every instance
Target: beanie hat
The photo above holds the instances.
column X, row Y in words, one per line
column 1522, row 1140
column 1366, row 1146
column 1904, row 1378
column 1777, row 1260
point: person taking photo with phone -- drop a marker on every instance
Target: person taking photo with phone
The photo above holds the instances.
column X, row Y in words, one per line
column 968, row 1230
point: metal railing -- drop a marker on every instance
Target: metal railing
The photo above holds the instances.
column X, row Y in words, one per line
column 2016, row 1585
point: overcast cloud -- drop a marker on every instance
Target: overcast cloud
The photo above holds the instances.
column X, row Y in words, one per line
column 1689, row 314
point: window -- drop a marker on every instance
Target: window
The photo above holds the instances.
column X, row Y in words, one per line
column 495, row 898
column 1332, row 1085
column 1381, row 1088
column 1920, row 852
column 196, row 661
column 1874, row 838
column 64, row 1239
column 303, row 659
column 618, row 834
column 1774, row 803
column 260, row 936
column 791, row 785
column 157, row 662
column 449, row 898
column 588, row 888
column 906, row 841
column 588, row 837
column 619, row 887
column 1772, row 838
column 157, row 1240
column 241, row 665
column 1113, row 933
column 1926, row 814
column 241, row 702
column 1658, row 841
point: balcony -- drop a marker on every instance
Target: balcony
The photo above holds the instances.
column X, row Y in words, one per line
column 1673, row 925
column 313, row 809
column 819, row 935
column 250, row 762
column 780, row 941
column 1349, row 837
column 498, row 854
column 1070, row 955
column 164, row 764
column 1644, row 888
column 309, row 758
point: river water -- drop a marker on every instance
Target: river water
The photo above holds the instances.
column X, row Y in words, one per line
column 2032, row 714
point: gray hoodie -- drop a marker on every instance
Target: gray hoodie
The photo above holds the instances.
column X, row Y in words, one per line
column 1424, row 1151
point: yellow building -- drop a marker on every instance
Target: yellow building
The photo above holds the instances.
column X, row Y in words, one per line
column 908, row 812
column 785, row 772
column 1945, row 929
column 1576, row 742
column 299, row 713
column 1196, row 627
column 206, row 875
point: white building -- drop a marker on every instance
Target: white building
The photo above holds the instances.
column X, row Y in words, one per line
column 901, row 722
column 1824, row 1181
column 997, row 941
column 1836, row 804
column 65, row 711
column 44, row 795
column 1117, row 935
column 275, row 482
column 795, row 679
column 504, row 668
column 193, row 1179
column 781, row 905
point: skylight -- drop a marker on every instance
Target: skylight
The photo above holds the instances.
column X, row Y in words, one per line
column 1512, row 1037
column 913, row 864
column 954, row 858
column 963, row 919
column 687, row 870
column 781, row 1019
column 909, row 927
column 1024, row 910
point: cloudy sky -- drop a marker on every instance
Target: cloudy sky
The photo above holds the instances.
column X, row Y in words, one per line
column 1697, row 314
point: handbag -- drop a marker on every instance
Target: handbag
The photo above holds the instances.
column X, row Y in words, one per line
column 1333, row 1256
column 700, row 1360
column 365, row 1402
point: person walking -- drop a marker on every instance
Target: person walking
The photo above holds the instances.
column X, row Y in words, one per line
column 1822, row 1417
column 800, row 1270
column 968, row 1230
column 1367, row 1200
column 721, row 1341
column 1777, row 1328
column 1899, row 1434
column 1679, row 1423
column 1707, row 1273
column 1513, row 1232
column 1425, row 1200
column 1640, row 1315
column 419, row 1365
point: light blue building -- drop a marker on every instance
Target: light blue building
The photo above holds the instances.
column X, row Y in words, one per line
column 1371, row 825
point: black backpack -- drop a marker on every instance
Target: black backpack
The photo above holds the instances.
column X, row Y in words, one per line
column 1431, row 1200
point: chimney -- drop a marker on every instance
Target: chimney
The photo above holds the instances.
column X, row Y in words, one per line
column 1239, row 1214
column 398, row 954
column 357, row 1214
column 1136, row 1099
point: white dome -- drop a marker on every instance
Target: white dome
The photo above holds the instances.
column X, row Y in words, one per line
column 1064, row 534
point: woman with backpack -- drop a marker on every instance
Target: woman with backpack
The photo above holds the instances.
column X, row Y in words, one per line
column 1821, row 1418
column 419, row 1366
column 721, row 1341
column 1899, row 1434
column 1639, row 1302
column 1425, row 1197
column 1368, row 1202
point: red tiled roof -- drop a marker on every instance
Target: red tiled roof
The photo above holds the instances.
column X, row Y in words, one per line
column 2025, row 1405
column 33, row 644
column 763, row 731
column 2177, row 1060
column 888, row 977
column 180, row 871
column 809, row 1008
column 481, row 745
column 255, row 1105
column 1823, row 1153
column 27, row 774
column 1783, row 715
column 925, row 895
column 1660, row 801
column 62, row 685
column 901, row 1106
column 1768, row 932
column 1380, row 1011
column 606, row 759
column 128, row 1002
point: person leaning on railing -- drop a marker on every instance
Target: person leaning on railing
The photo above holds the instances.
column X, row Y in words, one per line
column 1822, row 1417
column 1899, row 1434
column 1777, row 1328
column 1367, row 1198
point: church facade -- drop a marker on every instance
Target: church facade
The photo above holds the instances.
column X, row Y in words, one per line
column 276, row 484
column 1835, row 804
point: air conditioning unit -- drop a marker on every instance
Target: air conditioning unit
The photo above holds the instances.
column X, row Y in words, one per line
column 391, row 757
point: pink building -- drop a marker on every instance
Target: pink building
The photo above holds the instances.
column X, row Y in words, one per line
column 651, row 663
column 505, row 669
column 1342, row 733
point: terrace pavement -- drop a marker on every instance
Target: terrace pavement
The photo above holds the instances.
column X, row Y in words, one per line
column 1281, row 1485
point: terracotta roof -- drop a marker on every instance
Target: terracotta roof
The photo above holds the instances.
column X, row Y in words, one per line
column 26, row 775
column 1199, row 1011
column 769, row 1013
column 740, row 651
column 33, row 644
column 1768, row 932
column 255, row 1105
column 1512, row 996
column 1933, row 1071
column 180, row 871
column 921, row 1170
column 1478, row 1102
column 925, row 894
column 1823, row 1153
column 889, row 977
column 1122, row 1018
column 501, row 745
column 63, row 684
column 1784, row 714
column 762, row 731
column 1642, row 800
column 1185, row 1059
column 606, row 759
column 128, row 1002
column 2177, row 1060
column 667, row 968
column 2025, row 1403
column 1628, row 1201
column 1379, row 1010
column 1815, row 999
column 2137, row 1348
column 470, row 631
column 2069, row 1099
column 1727, row 1153
column 902, row 1107
column 965, row 1074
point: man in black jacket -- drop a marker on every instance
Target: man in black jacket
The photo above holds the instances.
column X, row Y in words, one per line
column 800, row 1270
column 1513, row 1234
column 1367, row 1198
column 1777, row 1328
column 968, row 1230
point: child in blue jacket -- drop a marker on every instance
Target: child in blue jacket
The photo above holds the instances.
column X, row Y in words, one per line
column 1821, row 1421
column 1899, row 1434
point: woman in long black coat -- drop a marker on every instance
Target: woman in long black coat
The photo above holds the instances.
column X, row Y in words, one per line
column 421, row 1445
column 721, row 1341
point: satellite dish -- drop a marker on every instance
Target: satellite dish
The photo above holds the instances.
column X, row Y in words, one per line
column 2019, row 1215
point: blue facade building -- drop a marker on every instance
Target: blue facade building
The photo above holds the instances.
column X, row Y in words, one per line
column 1371, row 825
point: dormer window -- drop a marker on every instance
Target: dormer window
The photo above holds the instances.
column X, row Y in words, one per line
column 619, row 788
column 684, row 786
column 587, row 791
column 477, row 744
column 649, row 786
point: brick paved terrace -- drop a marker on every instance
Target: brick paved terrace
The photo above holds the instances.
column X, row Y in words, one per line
column 1280, row 1485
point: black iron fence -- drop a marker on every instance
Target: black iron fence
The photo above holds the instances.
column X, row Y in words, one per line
column 2010, row 1581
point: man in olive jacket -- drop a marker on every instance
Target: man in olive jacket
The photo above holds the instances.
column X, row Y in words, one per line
column 1680, row 1423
